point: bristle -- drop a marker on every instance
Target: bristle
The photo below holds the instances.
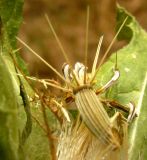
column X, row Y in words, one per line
column 108, row 49
column 96, row 56
column 86, row 44
column 116, row 65
column 112, row 42
column 45, row 62
column 61, row 47
column 57, row 39
column 45, row 83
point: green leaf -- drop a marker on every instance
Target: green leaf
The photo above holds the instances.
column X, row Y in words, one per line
column 131, row 84
column 138, row 129
column 10, row 11
column 11, row 18
column 8, row 115
column 16, row 123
